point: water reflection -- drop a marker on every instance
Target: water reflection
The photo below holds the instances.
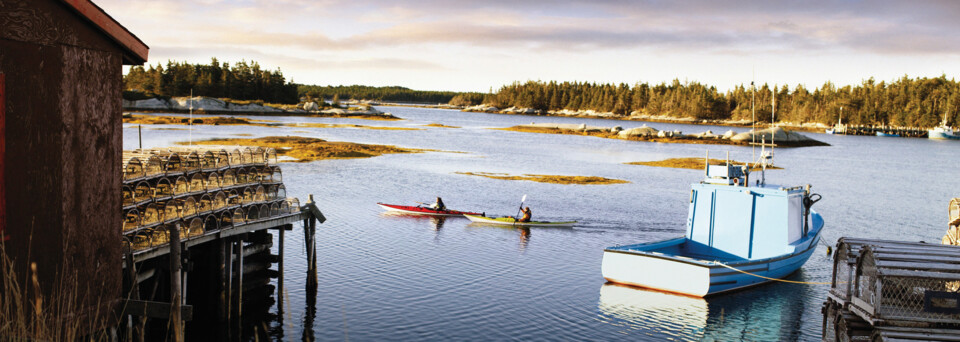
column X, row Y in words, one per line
column 759, row 314
column 653, row 313
column 524, row 238
column 522, row 232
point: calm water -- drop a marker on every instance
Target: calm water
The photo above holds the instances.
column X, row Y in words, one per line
column 386, row 277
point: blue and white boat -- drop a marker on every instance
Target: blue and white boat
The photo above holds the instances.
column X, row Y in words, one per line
column 885, row 134
column 737, row 236
column 943, row 131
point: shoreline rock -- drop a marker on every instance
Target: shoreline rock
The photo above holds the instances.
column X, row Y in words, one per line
column 638, row 116
column 209, row 105
column 778, row 135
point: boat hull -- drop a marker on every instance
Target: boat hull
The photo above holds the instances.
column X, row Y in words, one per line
column 942, row 135
column 422, row 211
column 640, row 265
column 509, row 221
column 881, row 134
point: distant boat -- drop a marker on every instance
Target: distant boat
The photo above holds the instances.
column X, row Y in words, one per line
column 418, row 210
column 511, row 221
column 839, row 125
column 737, row 236
column 943, row 131
column 885, row 134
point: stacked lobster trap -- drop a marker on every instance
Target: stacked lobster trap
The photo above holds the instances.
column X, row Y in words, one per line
column 199, row 190
column 884, row 290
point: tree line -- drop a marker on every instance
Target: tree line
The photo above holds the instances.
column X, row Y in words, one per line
column 240, row 81
column 391, row 93
column 907, row 101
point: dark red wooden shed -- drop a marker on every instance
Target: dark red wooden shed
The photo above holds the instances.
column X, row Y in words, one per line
column 60, row 123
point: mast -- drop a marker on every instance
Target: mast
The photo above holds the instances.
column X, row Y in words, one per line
column 773, row 113
column 753, row 117
column 191, row 117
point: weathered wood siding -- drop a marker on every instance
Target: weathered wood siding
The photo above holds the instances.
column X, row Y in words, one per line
column 63, row 147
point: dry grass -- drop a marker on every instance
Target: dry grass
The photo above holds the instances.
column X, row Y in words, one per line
column 439, row 125
column 325, row 125
column 549, row 130
column 692, row 163
column 182, row 120
column 378, row 117
column 309, row 149
column 26, row 314
column 553, row 179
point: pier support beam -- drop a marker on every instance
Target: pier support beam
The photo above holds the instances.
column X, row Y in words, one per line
column 280, row 287
column 176, row 300
column 238, row 317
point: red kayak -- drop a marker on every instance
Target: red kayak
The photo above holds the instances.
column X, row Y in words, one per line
column 423, row 210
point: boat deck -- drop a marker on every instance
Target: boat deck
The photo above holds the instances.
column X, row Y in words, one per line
column 680, row 248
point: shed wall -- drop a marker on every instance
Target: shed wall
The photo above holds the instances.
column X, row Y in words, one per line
column 63, row 149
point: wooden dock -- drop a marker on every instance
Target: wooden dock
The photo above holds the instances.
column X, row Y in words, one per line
column 197, row 233
column 910, row 132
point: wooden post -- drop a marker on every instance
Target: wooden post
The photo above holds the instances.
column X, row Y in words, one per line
column 224, row 260
column 239, row 287
column 312, row 279
column 175, row 284
column 280, row 277
column 134, row 325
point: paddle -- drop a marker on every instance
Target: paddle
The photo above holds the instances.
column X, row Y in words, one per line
column 515, row 219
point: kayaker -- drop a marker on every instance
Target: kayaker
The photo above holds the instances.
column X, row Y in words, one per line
column 438, row 205
column 526, row 215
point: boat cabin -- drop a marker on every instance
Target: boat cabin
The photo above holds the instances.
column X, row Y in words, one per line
column 746, row 222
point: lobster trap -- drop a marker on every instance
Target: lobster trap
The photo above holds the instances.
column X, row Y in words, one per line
column 913, row 286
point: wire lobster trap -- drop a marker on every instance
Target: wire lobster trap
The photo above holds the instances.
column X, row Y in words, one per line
column 840, row 325
column 845, row 263
column 914, row 286
column 894, row 334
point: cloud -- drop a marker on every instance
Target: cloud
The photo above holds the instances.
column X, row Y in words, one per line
column 886, row 27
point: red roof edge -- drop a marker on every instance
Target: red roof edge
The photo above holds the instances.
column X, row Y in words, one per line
column 136, row 50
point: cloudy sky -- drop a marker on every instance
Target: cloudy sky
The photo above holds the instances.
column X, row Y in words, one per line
column 476, row 45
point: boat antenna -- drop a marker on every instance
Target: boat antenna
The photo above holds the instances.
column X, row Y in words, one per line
column 191, row 117
column 753, row 115
column 773, row 120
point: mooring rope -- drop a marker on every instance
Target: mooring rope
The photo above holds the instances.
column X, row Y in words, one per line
column 773, row 279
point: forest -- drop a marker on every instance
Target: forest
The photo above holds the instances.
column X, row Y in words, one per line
column 240, row 81
column 920, row 102
column 911, row 102
column 391, row 94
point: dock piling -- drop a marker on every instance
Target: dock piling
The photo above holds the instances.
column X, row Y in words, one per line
column 175, row 285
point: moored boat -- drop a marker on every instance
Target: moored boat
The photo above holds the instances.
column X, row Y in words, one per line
column 737, row 236
column 418, row 210
column 512, row 221
column 943, row 131
column 885, row 134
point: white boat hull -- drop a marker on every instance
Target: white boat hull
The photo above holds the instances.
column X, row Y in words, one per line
column 942, row 135
column 698, row 278
column 658, row 274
